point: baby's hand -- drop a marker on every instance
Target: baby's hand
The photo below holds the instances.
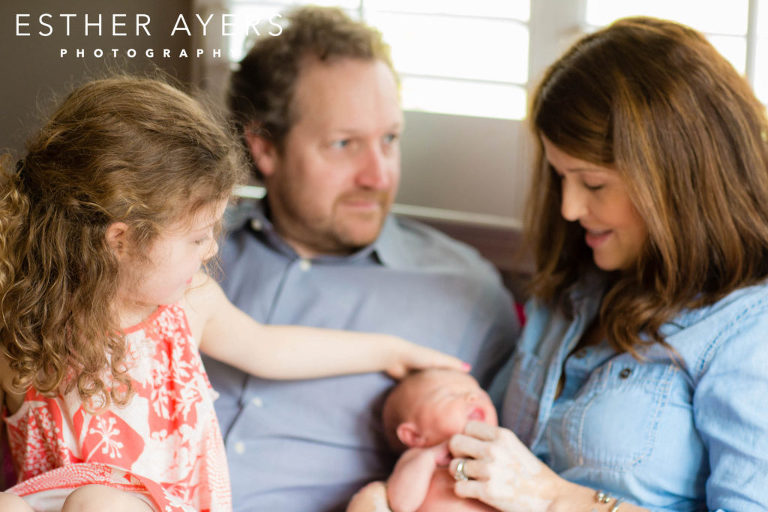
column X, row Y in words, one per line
column 441, row 454
column 409, row 357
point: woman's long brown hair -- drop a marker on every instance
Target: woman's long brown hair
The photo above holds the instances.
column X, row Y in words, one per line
column 655, row 101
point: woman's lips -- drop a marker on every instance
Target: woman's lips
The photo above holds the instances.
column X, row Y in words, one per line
column 596, row 238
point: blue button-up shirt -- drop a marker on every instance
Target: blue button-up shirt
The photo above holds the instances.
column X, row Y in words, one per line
column 684, row 436
column 304, row 446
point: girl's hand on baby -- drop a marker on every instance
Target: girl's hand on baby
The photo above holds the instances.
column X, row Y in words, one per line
column 407, row 357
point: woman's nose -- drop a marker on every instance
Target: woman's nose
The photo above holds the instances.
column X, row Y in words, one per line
column 573, row 203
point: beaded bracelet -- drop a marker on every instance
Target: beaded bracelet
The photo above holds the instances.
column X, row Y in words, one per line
column 604, row 497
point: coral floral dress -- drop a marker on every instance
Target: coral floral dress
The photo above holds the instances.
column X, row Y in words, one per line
column 164, row 445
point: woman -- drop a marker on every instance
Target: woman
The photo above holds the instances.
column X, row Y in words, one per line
column 639, row 381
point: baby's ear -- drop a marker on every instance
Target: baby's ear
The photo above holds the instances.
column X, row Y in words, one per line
column 409, row 434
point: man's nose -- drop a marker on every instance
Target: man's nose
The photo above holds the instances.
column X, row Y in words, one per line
column 375, row 169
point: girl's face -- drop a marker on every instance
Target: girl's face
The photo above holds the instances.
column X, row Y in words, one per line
column 596, row 197
column 175, row 256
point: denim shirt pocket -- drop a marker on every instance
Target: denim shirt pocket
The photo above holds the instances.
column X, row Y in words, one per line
column 521, row 401
column 614, row 419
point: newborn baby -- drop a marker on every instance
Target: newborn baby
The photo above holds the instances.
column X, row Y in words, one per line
column 420, row 415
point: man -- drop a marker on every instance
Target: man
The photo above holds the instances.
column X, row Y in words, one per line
column 318, row 109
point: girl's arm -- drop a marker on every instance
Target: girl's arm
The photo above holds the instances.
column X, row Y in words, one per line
column 292, row 352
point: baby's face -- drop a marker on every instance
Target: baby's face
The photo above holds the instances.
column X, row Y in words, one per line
column 442, row 403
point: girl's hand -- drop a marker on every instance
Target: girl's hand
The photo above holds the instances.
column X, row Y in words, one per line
column 408, row 357
column 502, row 472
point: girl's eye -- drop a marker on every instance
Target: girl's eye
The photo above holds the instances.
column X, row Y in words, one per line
column 593, row 188
column 201, row 241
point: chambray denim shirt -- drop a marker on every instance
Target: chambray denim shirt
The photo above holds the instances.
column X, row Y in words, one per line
column 665, row 436
column 307, row 446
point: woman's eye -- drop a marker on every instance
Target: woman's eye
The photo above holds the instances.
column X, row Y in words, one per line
column 593, row 188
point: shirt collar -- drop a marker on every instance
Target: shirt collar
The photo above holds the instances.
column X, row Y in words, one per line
column 389, row 249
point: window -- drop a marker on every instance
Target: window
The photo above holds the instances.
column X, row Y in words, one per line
column 472, row 58
column 481, row 58
column 759, row 59
column 453, row 57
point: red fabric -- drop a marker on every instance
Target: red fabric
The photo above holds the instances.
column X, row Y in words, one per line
column 166, row 441
column 7, row 473
column 520, row 310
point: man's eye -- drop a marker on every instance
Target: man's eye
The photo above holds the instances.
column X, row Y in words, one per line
column 391, row 137
column 340, row 144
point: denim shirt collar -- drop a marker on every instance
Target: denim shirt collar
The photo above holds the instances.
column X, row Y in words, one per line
column 586, row 295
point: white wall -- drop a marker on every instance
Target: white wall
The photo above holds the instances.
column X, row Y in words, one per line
column 480, row 165
column 466, row 164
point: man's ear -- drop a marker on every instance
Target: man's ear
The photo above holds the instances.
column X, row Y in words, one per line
column 262, row 150
column 409, row 434
column 117, row 239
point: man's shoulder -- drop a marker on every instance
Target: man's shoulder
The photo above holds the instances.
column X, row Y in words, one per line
column 429, row 247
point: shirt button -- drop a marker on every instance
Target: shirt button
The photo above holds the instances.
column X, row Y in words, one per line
column 256, row 225
column 239, row 448
column 579, row 354
column 626, row 372
column 257, row 402
column 305, row 264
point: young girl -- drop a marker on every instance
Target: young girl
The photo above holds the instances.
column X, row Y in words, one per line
column 104, row 227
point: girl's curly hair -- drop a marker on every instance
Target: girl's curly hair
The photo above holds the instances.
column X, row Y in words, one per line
column 133, row 150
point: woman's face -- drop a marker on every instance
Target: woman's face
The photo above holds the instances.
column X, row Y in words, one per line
column 596, row 197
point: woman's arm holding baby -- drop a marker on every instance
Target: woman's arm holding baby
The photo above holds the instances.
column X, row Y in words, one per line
column 503, row 473
column 292, row 352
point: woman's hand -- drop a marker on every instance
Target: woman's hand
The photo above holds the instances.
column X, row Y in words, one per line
column 408, row 357
column 502, row 472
